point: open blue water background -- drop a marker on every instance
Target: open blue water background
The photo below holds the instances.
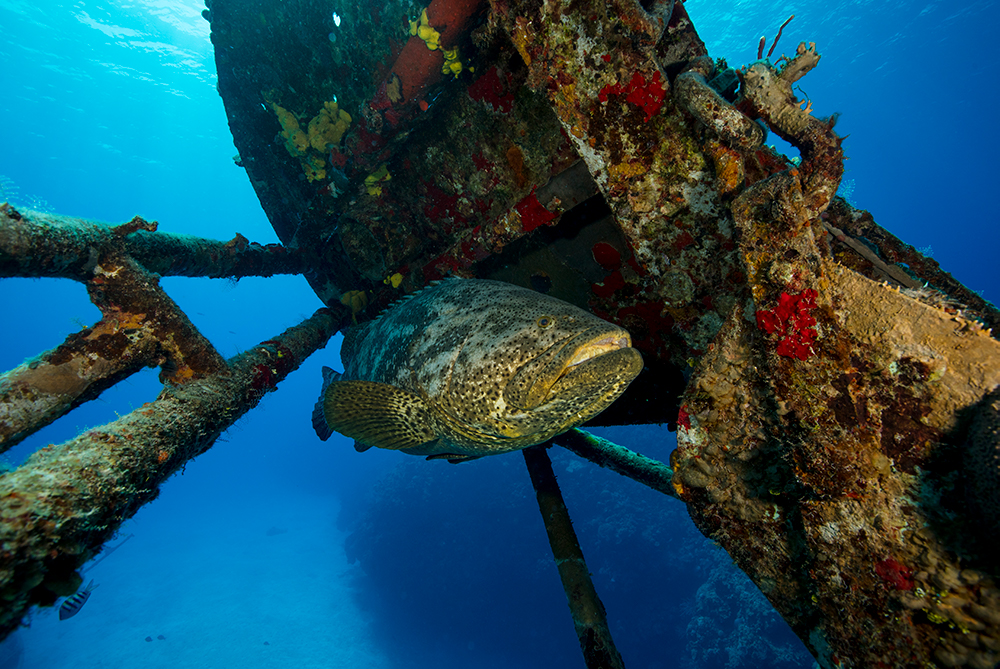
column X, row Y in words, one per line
column 340, row 559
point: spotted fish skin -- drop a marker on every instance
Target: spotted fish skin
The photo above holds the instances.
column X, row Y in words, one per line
column 467, row 368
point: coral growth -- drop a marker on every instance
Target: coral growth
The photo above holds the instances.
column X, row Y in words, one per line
column 322, row 135
column 647, row 95
column 452, row 62
column 374, row 181
column 296, row 141
column 793, row 322
column 494, row 91
column 894, row 574
column 328, row 127
column 421, row 28
column 533, row 213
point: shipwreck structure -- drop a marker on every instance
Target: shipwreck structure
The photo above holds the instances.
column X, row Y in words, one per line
column 834, row 392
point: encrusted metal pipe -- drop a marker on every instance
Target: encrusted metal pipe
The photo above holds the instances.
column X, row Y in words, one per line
column 697, row 97
column 141, row 327
column 589, row 617
column 58, row 509
column 604, row 453
column 767, row 92
column 33, row 244
column 90, row 361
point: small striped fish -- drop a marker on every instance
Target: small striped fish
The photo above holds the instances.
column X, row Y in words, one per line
column 73, row 604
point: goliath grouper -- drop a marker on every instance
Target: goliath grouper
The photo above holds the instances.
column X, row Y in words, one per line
column 468, row 367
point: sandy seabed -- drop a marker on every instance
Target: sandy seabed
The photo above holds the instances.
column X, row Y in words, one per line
column 221, row 590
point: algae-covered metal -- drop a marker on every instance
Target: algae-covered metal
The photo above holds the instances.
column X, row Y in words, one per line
column 822, row 375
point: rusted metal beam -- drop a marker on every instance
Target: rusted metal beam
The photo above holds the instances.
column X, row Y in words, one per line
column 39, row 391
column 857, row 225
column 58, row 509
column 609, row 104
column 141, row 327
column 604, row 453
column 589, row 618
column 612, row 93
column 122, row 289
column 35, row 244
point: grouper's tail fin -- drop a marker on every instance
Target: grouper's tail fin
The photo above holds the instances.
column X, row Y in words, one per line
column 323, row 430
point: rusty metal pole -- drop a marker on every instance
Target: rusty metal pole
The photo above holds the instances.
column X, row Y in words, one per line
column 34, row 244
column 141, row 327
column 58, row 509
column 604, row 453
column 40, row 390
column 589, row 617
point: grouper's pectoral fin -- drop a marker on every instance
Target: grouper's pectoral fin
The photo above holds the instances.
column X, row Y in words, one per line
column 377, row 414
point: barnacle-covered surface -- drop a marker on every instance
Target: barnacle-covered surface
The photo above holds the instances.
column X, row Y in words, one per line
column 826, row 373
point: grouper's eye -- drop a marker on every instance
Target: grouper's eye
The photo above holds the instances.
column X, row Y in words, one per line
column 545, row 322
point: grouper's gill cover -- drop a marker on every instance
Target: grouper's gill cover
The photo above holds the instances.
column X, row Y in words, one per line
column 467, row 368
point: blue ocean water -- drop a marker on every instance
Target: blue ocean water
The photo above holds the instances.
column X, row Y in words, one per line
column 276, row 550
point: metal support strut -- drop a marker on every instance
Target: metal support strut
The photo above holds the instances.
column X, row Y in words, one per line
column 65, row 501
column 589, row 617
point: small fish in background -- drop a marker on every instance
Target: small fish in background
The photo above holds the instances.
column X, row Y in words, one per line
column 73, row 604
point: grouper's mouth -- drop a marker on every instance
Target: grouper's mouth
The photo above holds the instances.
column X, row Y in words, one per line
column 597, row 348
column 588, row 358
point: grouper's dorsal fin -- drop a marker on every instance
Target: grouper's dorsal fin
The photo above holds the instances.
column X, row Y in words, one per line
column 377, row 414
column 409, row 296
